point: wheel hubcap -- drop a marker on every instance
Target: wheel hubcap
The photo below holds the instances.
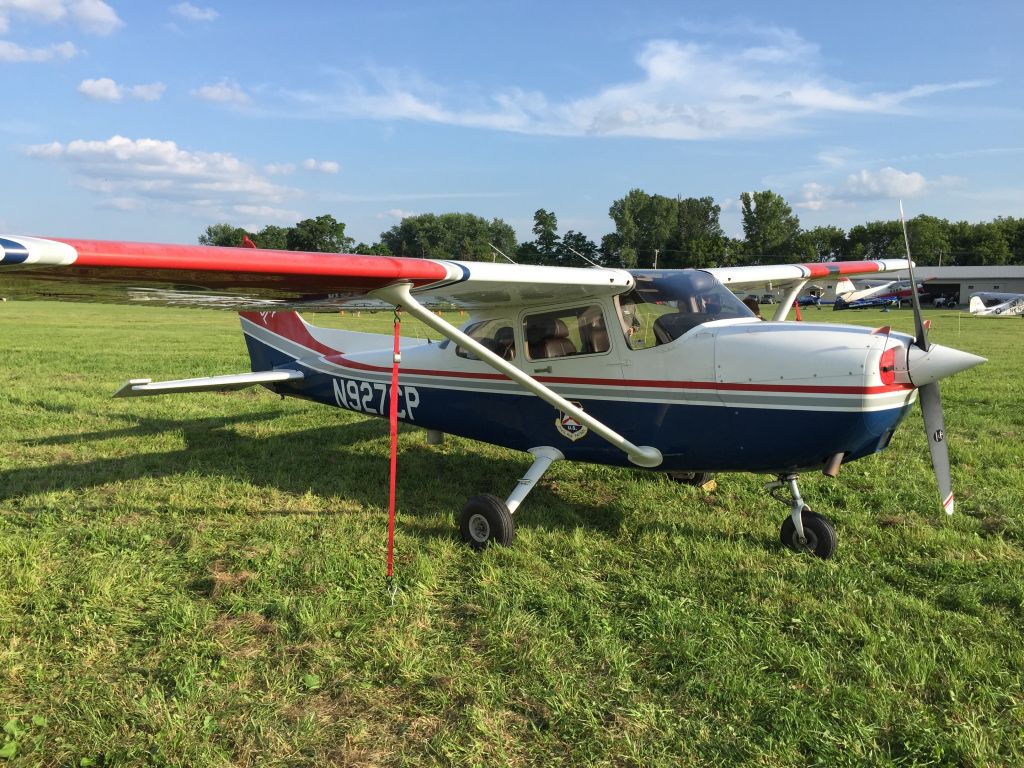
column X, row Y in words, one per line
column 810, row 542
column 479, row 528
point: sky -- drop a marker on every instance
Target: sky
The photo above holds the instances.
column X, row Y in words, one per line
column 151, row 120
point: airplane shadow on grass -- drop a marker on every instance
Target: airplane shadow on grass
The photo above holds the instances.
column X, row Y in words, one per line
column 347, row 461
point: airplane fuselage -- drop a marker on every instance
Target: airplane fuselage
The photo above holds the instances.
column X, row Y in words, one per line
column 735, row 394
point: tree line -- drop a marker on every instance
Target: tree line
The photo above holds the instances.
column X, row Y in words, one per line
column 656, row 231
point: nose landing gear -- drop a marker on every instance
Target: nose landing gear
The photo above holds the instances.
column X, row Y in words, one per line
column 803, row 530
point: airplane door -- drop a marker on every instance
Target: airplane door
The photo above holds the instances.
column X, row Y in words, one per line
column 572, row 350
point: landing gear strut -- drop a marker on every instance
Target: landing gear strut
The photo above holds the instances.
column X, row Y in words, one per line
column 487, row 519
column 803, row 530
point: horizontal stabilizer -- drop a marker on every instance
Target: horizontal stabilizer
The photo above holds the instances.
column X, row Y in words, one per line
column 148, row 387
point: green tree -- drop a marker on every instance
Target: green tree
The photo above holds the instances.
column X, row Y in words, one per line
column 1013, row 232
column 698, row 240
column 501, row 236
column 929, row 240
column 614, row 252
column 769, row 224
column 574, row 243
column 322, row 235
column 449, row 236
column 645, row 225
column 545, row 227
column 377, row 249
column 988, row 245
column 223, row 235
column 272, row 236
column 876, row 240
column 824, row 243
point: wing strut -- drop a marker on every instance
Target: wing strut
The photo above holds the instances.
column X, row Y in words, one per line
column 400, row 295
column 787, row 301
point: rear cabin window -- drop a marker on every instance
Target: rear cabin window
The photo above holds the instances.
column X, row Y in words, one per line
column 496, row 335
column 565, row 333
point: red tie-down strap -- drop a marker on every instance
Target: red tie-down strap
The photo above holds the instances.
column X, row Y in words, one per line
column 393, row 418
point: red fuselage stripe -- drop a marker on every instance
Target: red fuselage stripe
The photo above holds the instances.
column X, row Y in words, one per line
column 638, row 383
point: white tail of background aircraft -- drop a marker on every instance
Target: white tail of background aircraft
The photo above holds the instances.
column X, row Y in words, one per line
column 992, row 304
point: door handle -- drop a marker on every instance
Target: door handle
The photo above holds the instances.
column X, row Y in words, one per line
column 545, row 369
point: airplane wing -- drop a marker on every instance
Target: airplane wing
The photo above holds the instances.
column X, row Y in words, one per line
column 781, row 275
column 793, row 277
column 253, row 279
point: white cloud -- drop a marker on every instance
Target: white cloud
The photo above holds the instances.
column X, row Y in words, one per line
column 685, row 91
column 127, row 173
column 224, row 92
column 105, row 89
column 321, row 166
column 147, row 91
column 101, row 89
column 191, row 12
column 14, row 53
column 124, row 203
column 93, row 16
column 265, row 213
column 279, row 169
column 887, row 183
column 395, row 213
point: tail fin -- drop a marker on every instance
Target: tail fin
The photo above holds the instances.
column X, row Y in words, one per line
column 977, row 306
column 278, row 338
column 830, row 292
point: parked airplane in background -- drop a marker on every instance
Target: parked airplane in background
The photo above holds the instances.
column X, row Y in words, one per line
column 826, row 291
column 661, row 369
column 876, row 293
column 992, row 304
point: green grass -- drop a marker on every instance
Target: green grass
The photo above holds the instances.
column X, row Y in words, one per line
column 198, row 581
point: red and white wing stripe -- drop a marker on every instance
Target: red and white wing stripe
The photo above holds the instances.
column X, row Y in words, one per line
column 739, row 277
column 259, row 279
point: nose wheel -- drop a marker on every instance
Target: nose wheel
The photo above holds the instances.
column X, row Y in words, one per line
column 803, row 530
column 819, row 535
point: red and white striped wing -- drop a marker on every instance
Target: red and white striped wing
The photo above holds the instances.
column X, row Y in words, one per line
column 258, row 279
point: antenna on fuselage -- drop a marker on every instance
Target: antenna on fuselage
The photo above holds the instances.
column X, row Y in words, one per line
column 591, row 263
column 501, row 253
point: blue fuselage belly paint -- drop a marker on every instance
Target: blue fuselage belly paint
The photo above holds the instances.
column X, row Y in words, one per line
column 756, row 439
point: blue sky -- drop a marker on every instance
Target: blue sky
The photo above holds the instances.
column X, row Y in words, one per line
column 149, row 120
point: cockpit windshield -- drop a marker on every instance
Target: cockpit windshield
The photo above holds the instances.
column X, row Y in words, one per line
column 666, row 304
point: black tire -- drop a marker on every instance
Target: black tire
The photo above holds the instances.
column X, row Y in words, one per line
column 821, row 536
column 696, row 479
column 484, row 520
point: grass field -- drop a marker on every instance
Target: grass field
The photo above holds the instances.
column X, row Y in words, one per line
column 198, row 581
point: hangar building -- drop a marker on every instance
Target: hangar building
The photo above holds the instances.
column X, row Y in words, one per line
column 961, row 282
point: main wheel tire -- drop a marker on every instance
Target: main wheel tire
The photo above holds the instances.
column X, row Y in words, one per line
column 696, row 479
column 485, row 519
column 820, row 535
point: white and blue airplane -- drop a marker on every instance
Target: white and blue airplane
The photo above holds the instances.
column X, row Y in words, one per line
column 661, row 369
column 995, row 304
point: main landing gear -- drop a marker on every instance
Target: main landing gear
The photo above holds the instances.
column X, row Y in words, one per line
column 804, row 530
column 487, row 519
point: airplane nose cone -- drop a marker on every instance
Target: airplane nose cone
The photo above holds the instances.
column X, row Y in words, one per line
column 938, row 363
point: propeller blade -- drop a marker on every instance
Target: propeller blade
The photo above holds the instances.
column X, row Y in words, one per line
column 921, row 341
column 935, row 428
